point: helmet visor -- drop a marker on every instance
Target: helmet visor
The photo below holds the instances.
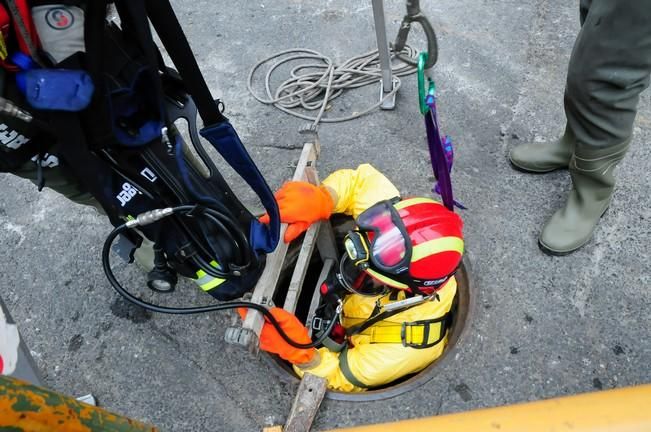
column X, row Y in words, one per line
column 389, row 245
column 357, row 281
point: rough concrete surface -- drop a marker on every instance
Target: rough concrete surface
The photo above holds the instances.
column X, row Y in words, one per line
column 544, row 326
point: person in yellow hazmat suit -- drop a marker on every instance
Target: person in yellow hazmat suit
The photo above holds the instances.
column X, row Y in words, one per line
column 387, row 305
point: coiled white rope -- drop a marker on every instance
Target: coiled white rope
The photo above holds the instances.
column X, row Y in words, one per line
column 313, row 85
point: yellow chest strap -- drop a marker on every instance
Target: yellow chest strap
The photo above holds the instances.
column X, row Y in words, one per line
column 417, row 334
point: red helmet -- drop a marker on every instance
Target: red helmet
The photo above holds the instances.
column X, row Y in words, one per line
column 414, row 244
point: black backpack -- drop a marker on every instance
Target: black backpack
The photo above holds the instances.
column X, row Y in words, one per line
column 124, row 149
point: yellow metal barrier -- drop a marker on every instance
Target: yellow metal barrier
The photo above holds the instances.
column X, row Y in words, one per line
column 621, row 410
column 25, row 407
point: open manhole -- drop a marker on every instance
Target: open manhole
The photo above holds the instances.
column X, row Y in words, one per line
column 464, row 311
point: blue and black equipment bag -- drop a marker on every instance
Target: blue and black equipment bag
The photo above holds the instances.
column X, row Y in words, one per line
column 108, row 114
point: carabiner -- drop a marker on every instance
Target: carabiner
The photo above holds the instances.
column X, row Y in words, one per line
column 426, row 96
column 415, row 15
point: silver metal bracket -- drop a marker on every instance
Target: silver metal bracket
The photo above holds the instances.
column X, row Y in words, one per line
column 388, row 103
column 243, row 337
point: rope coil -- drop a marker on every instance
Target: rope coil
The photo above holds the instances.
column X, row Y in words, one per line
column 315, row 84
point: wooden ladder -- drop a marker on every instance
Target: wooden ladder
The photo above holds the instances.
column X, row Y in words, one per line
column 319, row 236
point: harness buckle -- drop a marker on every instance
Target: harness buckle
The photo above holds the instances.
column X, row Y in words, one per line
column 340, row 307
column 426, row 325
column 317, row 323
column 166, row 140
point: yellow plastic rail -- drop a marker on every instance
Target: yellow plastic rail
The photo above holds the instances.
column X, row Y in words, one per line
column 621, row 410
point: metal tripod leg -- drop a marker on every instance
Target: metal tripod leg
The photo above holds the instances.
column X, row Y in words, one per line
column 385, row 60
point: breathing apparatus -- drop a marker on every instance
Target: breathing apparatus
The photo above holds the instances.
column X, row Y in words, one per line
column 222, row 244
column 154, row 216
column 118, row 139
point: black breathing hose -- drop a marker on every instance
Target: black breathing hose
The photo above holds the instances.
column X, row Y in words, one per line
column 155, row 215
column 225, row 226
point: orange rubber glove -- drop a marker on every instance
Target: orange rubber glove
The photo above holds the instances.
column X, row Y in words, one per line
column 271, row 341
column 301, row 204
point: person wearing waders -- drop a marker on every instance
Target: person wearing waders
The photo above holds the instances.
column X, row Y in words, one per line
column 388, row 303
column 609, row 68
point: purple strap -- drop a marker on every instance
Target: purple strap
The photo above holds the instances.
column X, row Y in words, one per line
column 441, row 155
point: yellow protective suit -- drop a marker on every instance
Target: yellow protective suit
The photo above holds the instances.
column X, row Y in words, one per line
column 376, row 356
column 353, row 191
column 367, row 362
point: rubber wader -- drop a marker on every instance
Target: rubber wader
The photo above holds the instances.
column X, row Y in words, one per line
column 609, row 68
column 544, row 158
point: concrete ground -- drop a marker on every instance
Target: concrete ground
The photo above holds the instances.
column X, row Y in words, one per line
column 544, row 326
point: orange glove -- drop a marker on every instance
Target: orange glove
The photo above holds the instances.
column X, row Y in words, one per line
column 301, row 204
column 271, row 341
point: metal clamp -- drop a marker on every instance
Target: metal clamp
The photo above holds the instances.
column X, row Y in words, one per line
column 239, row 336
column 414, row 15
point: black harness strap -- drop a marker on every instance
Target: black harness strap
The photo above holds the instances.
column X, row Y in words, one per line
column 171, row 34
column 97, row 112
column 350, row 331
column 81, row 163
column 377, row 317
column 344, row 366
column 138, row 25
column 72, row 144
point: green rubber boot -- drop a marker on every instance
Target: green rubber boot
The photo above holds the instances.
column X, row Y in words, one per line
column 544, row 158
column 593, row 184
